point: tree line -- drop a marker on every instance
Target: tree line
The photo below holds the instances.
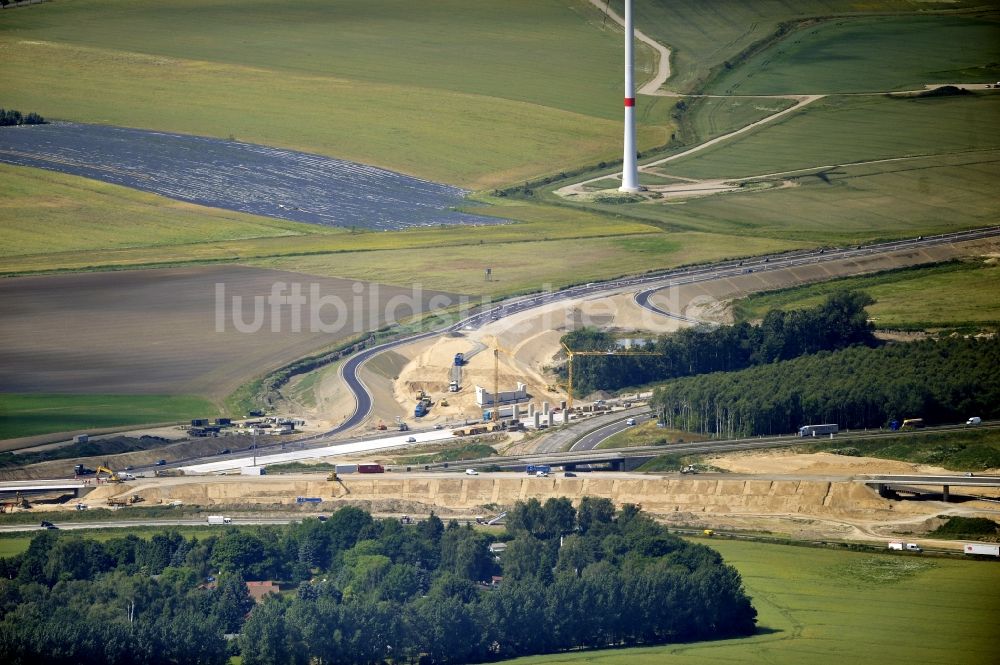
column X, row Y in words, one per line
column 939, row 380
column 9, row 118
column 369, row 591
column 839, row 322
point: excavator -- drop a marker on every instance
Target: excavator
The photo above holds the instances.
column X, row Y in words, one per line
column 112, row 476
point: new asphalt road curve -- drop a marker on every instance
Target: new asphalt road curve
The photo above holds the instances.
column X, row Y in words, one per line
column 645, row 287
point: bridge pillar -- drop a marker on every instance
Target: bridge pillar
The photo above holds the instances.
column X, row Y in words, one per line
column 946, row 494
column 615, row 465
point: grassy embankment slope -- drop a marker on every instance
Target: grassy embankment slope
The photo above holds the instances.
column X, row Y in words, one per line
column 833, row 607
column 965, row 450
column 958, row 295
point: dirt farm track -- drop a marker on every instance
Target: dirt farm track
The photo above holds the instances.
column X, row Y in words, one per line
column 157, row 331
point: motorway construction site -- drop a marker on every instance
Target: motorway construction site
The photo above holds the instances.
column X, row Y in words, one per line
column 808, row 496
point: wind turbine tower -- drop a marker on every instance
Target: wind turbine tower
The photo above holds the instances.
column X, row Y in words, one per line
column 630, row 168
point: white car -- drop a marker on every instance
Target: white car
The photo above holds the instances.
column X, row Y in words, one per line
column 411, row 440
column 974, row 420
column 471, row 472
column 630, row 422
column 541, row 474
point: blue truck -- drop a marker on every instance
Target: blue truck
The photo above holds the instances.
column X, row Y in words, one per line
column 420, row 410
column 459, row 359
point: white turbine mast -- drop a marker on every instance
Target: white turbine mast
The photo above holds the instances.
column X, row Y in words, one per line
column 630, row 166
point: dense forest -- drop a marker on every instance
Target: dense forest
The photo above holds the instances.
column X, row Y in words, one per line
column 369, row 591
column 941, row 381
column 840, row 322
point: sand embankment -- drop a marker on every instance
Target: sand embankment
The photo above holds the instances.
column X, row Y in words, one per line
column 656, row 494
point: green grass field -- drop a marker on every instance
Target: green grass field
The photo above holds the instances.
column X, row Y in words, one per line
column 833, row 607
column 473, row 95
column 703, row 37
column 711, row 116
column 871, row 168
column 955, row 295
column 527, row 266
column 872, row 55
column 648, row 434
column 26, row 415
column 841, row 130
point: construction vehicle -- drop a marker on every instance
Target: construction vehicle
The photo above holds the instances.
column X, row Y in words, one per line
column 381, row 426
column 333, row 478
column 453, row 387
column 18, row 502
column 112, row 476
column 120, row 502
column 492, row 521
column 444, row 401
column 81, row 470
column 459, row 359
column 420, row 410
column 690, row 468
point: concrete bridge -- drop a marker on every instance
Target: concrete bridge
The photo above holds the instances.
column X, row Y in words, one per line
column 886, row 483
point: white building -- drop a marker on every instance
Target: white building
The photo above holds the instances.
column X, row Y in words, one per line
column 485, row 397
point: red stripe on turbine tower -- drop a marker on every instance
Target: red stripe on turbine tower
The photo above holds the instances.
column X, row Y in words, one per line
column 630, row 168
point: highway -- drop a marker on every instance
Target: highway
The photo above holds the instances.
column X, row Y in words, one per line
column 591, row 440
column 646, row 284
column 131, row 524
column 366, row 446
column 960, row 480
column 580, row 456
column 317, row 445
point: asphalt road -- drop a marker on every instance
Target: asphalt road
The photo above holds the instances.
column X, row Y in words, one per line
column 648, row 284
column 645, row 286
column 124, row 524
column 956, row 479
column 593, row 439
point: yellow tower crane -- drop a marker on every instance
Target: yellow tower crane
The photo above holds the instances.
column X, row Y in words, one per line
column 569, row 367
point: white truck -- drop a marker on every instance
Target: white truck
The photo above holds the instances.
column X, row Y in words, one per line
column 905, row 547
column 219, row 519
column 983, row 549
